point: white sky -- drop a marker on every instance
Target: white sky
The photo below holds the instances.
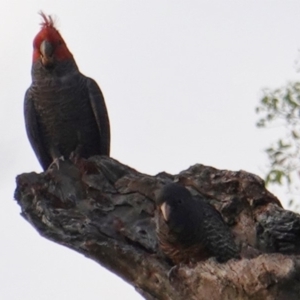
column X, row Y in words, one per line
column 181, row 80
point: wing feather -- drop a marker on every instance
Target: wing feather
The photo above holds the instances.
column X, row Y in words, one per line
column 33, row 132
column 101, row 115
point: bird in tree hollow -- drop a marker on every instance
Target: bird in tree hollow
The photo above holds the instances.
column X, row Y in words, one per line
column 191, row 230
column 65, row 112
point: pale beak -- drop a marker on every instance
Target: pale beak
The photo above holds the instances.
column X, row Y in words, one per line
column 165, row 209
column 46, row 50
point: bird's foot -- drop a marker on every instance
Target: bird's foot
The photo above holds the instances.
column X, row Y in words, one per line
column 173, row 272
column 55, row 163
column 74, row 157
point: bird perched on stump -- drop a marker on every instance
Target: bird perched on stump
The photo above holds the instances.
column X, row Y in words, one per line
column 64, row 110
column 189, row 229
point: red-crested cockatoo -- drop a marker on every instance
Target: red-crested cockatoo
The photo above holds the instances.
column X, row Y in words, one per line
column 65, row 111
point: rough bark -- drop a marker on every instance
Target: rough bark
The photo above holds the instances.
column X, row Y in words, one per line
column 105, row 210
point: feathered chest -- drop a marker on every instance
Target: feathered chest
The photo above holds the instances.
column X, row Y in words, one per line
column 64, row 112
column 62, row 100
column 184, row 247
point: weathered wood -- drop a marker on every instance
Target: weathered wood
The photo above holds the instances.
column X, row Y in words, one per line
column 105, row 210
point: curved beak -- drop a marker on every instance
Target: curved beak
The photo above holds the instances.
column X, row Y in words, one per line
column 46, row 50
column 165, row 209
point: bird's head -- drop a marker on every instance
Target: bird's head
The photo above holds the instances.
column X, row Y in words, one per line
column 176, row 205
column 48, row 45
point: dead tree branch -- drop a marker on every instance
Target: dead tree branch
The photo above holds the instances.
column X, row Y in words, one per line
column 104, row 210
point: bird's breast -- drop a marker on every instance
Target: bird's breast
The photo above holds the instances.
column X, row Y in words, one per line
column 64, row 113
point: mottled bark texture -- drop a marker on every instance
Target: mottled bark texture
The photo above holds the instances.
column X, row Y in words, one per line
column 105, row 210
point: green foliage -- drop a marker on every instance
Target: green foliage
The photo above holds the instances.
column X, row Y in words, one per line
column 281, row 107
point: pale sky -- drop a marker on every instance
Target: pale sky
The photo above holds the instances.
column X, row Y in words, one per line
column 181, row 80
